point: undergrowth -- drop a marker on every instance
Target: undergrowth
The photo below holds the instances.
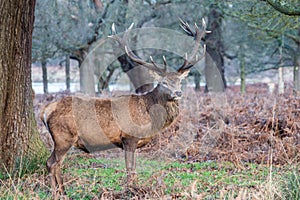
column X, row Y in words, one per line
column 91, row 178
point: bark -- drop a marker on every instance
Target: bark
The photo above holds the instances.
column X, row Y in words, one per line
column 19, row 137
column 45, row 76
column 214, row 62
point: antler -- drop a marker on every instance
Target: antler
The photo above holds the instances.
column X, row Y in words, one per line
column 123, row 43
column 198, row 35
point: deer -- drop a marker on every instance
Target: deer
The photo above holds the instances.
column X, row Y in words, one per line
column 127, row 121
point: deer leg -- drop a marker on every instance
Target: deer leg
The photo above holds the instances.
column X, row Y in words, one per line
column 54, row 169
column 51, row 170
column 58, row 175
column 130, row 145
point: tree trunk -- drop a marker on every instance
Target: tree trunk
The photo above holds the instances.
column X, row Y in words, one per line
column 214, row 62
column 105, row 78
column 67, row 69
column 242, row 72
column 197, row 78
column 297, row 70
column 280, row 69
column 280, row 80
column 45, row 76
column 87, row 82
column 86, row 72
column 19, row 137
column 139, row 76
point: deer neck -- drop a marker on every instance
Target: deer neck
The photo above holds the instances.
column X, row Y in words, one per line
column 170, row 105
column 157, row 96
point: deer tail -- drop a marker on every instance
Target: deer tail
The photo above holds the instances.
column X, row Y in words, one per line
column 44, row 120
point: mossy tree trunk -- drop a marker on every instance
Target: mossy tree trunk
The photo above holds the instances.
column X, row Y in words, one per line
column 19, row 138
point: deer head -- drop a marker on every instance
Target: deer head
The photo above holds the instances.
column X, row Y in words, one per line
column 168, row 83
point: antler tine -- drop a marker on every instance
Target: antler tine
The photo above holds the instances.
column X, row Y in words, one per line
column 123, row 43
column 113, row 29
column 165, row 64
column 198, row 35
column 152, row 61
column 186, row 27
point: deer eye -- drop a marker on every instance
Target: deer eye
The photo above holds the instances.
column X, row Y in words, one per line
column 164, row 83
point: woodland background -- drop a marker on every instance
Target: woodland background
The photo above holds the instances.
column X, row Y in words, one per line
column 236, row 138
column 248, row 37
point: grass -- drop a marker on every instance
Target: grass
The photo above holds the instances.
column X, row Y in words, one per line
column 88, row 178
column 291, row 186
column 209, row 178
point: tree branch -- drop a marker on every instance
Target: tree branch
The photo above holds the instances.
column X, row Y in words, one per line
column 284, row 7
column 274, row 65
column 273, row 31
column 230, row 57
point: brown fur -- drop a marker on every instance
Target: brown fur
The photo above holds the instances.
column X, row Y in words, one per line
column 94, row 124
column 63, row 122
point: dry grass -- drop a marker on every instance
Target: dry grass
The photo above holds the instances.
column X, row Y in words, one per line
column 255, row 127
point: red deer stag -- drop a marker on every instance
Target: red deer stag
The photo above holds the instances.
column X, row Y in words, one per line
column 128, row 121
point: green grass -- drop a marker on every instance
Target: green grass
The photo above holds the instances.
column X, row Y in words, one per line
column 87, row 178
column 291, row 184
column 210, row 177
column 207, row 178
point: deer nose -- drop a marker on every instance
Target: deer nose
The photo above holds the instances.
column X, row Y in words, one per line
column 178, row 93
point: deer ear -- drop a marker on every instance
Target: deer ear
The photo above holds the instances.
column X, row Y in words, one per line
column 184, row 74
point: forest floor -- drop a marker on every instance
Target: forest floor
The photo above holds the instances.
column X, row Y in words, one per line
column 222, row 146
